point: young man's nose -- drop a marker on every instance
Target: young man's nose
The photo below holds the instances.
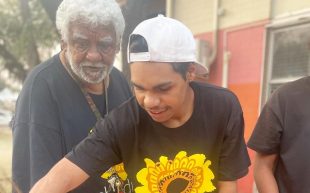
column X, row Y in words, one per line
column 151, row 101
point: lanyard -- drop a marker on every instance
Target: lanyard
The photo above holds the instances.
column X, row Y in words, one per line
column 92, row 104
column 88, row 98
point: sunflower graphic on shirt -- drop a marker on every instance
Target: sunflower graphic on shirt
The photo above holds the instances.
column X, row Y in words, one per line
column 185, row 174
column 117, row 169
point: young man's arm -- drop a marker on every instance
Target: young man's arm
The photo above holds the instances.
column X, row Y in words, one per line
column 264, row 173
column 62, row 178
column 227, row 187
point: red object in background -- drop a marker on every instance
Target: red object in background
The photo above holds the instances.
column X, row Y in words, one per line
column 246, row 47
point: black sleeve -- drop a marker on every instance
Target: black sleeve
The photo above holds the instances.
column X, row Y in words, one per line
column 126, row 87
column 234, row 158
column 97, row 152
column 120, row 85
column 37, row 142
column 267, row 133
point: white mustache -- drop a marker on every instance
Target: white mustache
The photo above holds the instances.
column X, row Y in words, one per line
column 97, row 65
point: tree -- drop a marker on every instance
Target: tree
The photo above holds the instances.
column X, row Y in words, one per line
column 27, row 31
column 26, row 36
column 134, row 12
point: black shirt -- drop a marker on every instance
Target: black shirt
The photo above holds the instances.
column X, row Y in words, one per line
column 52, row 116
column 209, row 147
column 283, row 128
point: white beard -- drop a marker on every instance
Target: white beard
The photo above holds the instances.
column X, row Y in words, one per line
column 84, row 72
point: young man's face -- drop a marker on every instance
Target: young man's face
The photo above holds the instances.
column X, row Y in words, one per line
column 91, row 51
column 162, row 92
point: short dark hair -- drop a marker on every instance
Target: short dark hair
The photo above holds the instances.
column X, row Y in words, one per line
column 137, row 44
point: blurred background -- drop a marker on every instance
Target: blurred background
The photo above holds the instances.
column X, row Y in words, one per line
column 250, row 47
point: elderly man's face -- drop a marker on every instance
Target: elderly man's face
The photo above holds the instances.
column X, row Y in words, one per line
column 91, row 51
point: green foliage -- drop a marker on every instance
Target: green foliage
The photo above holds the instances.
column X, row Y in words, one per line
column 17, row 32
column 11, row 26
column 2, row 85
column 43, row 28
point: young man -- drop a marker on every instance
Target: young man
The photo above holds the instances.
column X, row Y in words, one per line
column 175, row 135
column 63, row 98
column 281, row 140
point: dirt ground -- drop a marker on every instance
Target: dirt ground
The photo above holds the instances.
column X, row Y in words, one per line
column 5, row 159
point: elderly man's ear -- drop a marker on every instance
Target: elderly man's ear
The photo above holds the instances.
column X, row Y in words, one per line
column 63, row 45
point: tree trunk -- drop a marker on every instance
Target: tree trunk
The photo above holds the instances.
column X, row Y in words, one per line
column 32, row 57
column 50, row 7
column 12, row 64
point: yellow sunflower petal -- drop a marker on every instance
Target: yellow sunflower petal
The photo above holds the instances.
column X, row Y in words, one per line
column 149, row 162
column 199, row 158
column 157, row 176
column 141, row 176
column 141, row 189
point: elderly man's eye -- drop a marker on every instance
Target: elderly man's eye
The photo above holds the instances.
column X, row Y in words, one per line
column 106, row 47
column 81, row 46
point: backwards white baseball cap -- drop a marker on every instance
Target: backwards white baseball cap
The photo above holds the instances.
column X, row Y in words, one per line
column 168, row 40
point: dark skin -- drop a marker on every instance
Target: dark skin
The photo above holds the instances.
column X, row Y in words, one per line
column 158, row 97
column 95, row 46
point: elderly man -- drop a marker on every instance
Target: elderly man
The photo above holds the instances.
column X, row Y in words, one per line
column 175, row 135
column 65, row 96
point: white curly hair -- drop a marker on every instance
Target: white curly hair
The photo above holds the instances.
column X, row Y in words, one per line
column 92, row 12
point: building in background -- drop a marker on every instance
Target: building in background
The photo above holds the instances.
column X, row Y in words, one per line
column 251, row 47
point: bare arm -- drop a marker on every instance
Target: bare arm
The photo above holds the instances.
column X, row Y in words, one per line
column 263, row 173
column 227, row 187
column 63, row 177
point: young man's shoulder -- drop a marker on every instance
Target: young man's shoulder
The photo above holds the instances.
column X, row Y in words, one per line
column 209, row 90
column 128, row 109
column 119, row 82
column 116, row 75
column 296, row 85
column 292, row 90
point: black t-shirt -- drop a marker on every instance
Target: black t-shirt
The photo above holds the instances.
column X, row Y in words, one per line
column 207, row 148
column 52, row 116
column 283, row 128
